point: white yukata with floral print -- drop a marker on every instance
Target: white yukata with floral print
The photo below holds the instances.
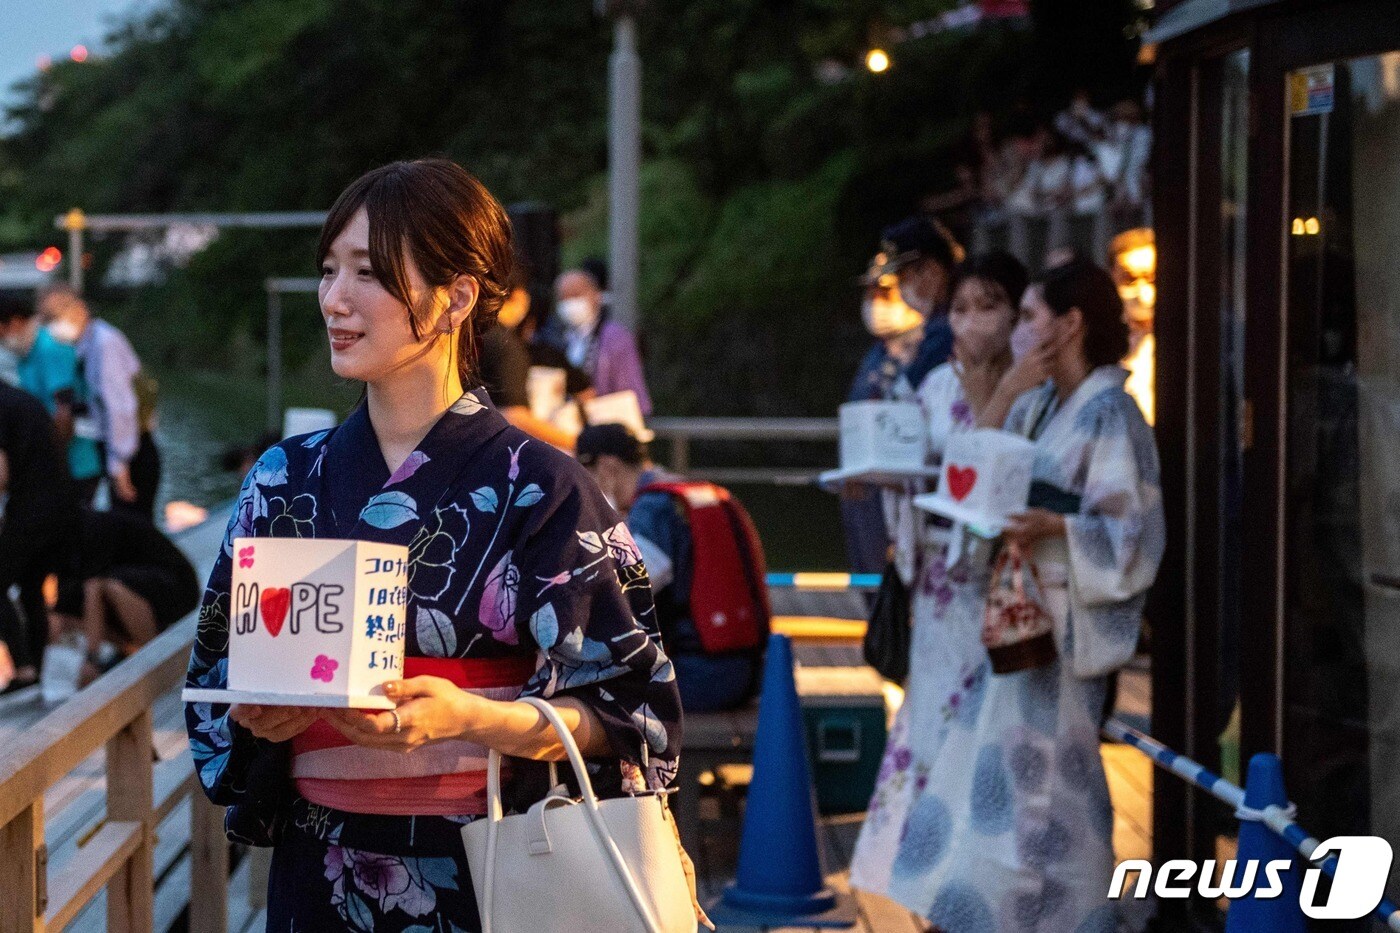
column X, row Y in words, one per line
column 947, row 665
column 1012, row 829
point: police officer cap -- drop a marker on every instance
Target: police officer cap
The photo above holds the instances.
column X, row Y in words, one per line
column 916, row 238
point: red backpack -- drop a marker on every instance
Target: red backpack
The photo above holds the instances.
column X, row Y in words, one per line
column 729, row 583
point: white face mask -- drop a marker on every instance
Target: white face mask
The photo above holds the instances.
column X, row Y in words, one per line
column 578, row 313
column 65, row 331
column 1023, row 340
column 890, row 316
column 980, row 336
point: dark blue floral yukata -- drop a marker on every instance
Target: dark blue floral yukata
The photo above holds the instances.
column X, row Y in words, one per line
column 512, row 551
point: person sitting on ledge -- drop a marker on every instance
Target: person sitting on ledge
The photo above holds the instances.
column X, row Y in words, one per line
column 126, row 583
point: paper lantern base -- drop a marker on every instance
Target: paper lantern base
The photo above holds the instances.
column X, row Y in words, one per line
column 272, row 698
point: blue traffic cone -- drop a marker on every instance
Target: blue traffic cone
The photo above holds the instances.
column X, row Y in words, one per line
column 1282, row 914
column 780, row 880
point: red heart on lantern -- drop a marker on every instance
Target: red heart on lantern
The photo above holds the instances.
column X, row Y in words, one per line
column 960, row 481
column 275, row 602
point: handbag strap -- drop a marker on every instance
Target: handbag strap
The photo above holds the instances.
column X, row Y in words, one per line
column 1035, row 578
column 1018, row 578
column 494, row 814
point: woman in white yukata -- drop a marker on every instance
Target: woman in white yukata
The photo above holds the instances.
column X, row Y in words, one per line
column 947, row 660
column 1014, row 828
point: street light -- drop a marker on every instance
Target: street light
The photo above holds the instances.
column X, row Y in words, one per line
column 877, row 60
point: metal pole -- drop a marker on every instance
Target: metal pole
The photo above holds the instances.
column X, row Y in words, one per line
column 274, row 360
column 75, row 258
column 624, row 164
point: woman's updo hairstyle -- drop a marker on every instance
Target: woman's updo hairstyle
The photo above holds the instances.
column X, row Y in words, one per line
column 1081, row 284
column 1000, row 271
column 436, row 212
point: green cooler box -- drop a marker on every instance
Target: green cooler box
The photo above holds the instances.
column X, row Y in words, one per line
column 844, row 712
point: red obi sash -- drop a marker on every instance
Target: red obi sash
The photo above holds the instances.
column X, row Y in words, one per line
column 442, row 779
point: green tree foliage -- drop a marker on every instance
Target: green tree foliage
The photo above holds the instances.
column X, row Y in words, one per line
column 764, row 185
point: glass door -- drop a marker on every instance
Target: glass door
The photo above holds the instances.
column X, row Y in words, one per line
column 1342, row 506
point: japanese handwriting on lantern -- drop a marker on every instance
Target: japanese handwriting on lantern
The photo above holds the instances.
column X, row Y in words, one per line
column 385, row 629
column 379, row 565
column 386, row 660
column 388, row 596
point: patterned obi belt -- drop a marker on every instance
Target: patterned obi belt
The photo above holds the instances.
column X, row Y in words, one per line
column 442, row 779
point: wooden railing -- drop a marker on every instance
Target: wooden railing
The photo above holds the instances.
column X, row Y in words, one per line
column 113, row 714
column 679, row 432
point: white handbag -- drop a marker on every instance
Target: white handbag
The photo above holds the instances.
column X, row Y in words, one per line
column 568, row 865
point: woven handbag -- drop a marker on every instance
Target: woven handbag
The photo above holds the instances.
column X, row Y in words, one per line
column 1016, row 628
column 566, row 864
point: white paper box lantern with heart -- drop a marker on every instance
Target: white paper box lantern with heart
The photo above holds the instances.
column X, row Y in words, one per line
column 314, row 622
column 986, row 478
column 882, row 442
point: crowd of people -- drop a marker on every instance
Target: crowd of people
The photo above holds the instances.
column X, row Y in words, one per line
column 1082, row 160
column 991, row 810
column 76, row 415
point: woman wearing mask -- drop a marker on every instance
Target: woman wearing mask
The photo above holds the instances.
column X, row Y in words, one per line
column 507, row 597
column 594, row 343
column 947, row 663
column 1013, row 829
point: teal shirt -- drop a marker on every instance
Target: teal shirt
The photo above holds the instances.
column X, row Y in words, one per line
column 49, row 368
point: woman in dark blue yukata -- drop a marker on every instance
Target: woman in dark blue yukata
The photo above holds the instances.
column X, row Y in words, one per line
column 522, row 581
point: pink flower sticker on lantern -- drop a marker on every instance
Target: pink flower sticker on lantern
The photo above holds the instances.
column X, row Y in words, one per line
column 324, row 668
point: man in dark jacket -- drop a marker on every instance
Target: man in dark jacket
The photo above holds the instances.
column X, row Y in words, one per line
column 41, row 515
column 917, row 257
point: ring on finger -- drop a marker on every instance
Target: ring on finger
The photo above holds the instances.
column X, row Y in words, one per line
column 398, row 725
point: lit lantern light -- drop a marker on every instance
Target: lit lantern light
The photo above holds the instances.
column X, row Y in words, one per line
column 1140, row 261
column 1135, row 273
column 877, row 60
column 1312, row 227
column 48, row 260
column 79, row 53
